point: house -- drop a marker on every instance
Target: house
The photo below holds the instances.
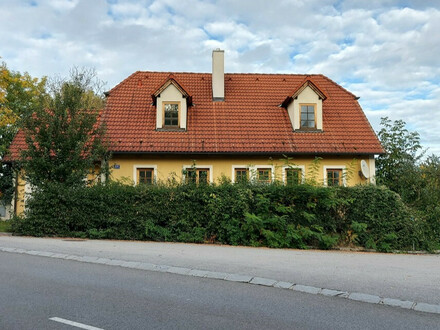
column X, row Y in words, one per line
column 264, row 127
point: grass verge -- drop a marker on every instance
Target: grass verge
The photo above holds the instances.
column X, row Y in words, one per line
column 5, row 226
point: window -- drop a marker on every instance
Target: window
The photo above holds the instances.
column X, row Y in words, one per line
column 264, row 175
column 2, row 210
column 171, row 114
column 334, row 177
column 241, row 175
column 308, row 120
column 145, row 175
column 197, row 175
column 293, row 176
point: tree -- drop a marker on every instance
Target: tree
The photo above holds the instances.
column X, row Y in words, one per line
column 64, row 135
column 430, row 173
column 19, row 95
column 399, row 167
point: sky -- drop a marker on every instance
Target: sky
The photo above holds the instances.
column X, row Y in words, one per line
column 387, row 52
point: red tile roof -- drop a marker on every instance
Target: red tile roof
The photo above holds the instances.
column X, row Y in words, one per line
column 250, row 120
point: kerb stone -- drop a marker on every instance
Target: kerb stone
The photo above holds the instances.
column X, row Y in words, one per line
column 334, row 293
column 238, row 278
column 368, row 298
column 422, row 307
column 178, row 270
column 198, row 273
column 263, row 281
column 398, row 303
column 283, row 285
column 216, row 275
column 306, row 289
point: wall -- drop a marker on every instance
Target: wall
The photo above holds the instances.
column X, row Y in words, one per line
column 21, row 188
column 167, row 166
column 171, row 166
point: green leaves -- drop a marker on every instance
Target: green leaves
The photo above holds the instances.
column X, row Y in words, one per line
column 399, row 168
column 258, row 215
column 417, row 180
column 19, row 95
column 64, row 135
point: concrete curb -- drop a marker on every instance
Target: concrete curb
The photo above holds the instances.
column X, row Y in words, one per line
column 240, row 278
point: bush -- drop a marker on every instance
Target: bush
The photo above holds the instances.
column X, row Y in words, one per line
column 247, row 214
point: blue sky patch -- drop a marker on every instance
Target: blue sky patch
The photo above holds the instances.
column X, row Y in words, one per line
column 45, row 35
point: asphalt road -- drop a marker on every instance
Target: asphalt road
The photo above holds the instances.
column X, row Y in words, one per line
column 34, row 289
column 400, row 276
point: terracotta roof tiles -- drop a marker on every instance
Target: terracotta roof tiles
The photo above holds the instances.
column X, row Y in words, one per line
column 250, row 120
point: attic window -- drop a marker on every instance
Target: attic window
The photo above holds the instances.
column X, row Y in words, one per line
column 305, row 106
column 308, row 116
column 171, row 116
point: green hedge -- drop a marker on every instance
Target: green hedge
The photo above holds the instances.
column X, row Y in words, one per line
column 258, row 215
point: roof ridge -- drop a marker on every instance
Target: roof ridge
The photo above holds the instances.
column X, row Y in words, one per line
column 230, row 73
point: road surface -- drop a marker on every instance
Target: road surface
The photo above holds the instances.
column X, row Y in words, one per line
column 40, row 293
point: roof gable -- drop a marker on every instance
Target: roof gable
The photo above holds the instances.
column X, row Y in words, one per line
column 300, row 88
column 171, row 80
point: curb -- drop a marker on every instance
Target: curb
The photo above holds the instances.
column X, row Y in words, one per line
column 239, row 278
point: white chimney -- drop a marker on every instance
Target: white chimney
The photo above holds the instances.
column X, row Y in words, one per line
column 218, row 75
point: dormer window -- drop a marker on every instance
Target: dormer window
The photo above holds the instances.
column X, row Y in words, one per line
column 171, row 114
column 172, row 102
column 308, row 116
column 304, row 107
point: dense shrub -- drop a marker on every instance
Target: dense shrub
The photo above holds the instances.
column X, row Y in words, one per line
column 244, row 214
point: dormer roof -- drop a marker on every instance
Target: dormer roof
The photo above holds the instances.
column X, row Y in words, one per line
column 170, row 80
column 306, row 83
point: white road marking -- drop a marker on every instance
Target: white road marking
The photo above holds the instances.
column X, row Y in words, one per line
column 74, row 324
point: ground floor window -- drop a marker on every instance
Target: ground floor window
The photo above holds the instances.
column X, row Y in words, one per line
column 145, row 175
column 293, row 176
column 334, row 177
column 264, row 175
column 241, row 175
column 197, row 175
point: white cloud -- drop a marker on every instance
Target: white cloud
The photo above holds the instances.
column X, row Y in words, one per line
column 379, row 50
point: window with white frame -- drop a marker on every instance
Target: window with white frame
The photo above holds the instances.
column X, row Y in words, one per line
column 144, row 174
column 241, row 175
column 308, row 116
column 335, row 176
column 200, row 174
column 293, row 174
column 264, row 174
column 256, row 173
column 171, row 114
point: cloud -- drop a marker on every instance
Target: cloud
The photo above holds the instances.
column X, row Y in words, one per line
column 380, row 50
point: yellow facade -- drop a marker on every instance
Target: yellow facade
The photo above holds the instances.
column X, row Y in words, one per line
column 172, row 167
column 19, row 202
column 166, row 167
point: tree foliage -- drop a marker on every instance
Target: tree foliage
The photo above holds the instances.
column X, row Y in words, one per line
column 404, row 170
column 19, row 95
column 64, row 135
column 399, row 167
